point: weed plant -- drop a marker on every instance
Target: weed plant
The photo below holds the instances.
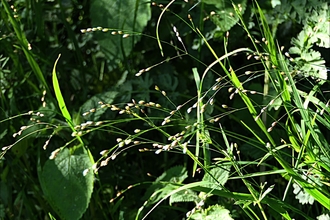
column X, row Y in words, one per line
column 204, row 129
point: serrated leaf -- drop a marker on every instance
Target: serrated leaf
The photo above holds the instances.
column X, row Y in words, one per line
column 67, row 182
column 300, row 42
column 175, row 174
column 320, row 21
column 211, row 213
column 323, row 217
column 323, row 40
column 225, row 16
column 184, row 196
column 217, row 178
column 313, row 64
column 124, row 15
column 315, row 31
column 295, row 50
column 302, row 196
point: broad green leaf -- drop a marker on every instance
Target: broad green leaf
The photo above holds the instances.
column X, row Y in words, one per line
column 67, row 182
column 184, row 196
column 123, row 15
column 175, row 174
column 163, row 185
column 211, row 213
column 217, row 178
column 225, row 16
column 19, row 149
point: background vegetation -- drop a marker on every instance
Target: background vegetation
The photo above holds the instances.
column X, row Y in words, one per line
column 130, row 109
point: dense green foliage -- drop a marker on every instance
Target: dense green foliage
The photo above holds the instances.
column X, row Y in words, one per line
column 127, row 109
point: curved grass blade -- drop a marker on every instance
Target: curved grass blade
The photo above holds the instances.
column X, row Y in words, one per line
column 157, row 26
column 59, row 96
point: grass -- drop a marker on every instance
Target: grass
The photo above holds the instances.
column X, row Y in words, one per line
column 226, row 149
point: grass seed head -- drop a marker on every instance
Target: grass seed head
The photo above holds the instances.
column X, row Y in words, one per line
column 231, row 96
column 46, row 144
column 178, row 107
column 103, row 152
column 54, row 154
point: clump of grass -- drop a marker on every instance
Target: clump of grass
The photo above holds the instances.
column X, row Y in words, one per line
column 294, row 163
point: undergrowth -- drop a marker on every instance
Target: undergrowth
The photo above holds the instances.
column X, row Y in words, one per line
column 240, row 133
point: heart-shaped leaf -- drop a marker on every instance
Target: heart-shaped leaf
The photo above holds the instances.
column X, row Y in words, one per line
column 67, row 181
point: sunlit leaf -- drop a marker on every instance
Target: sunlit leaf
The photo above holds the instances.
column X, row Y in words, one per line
column 67, row 182
column 224, row 14
column 218, row 177
column 211, row 213
column 184, row 196
column 164, row 184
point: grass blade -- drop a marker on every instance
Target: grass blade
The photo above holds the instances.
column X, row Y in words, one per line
column 59, row 96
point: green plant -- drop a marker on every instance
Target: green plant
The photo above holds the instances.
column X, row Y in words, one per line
column 224, row 127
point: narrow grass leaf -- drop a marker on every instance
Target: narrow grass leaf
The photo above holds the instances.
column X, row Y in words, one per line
column 59, row 96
